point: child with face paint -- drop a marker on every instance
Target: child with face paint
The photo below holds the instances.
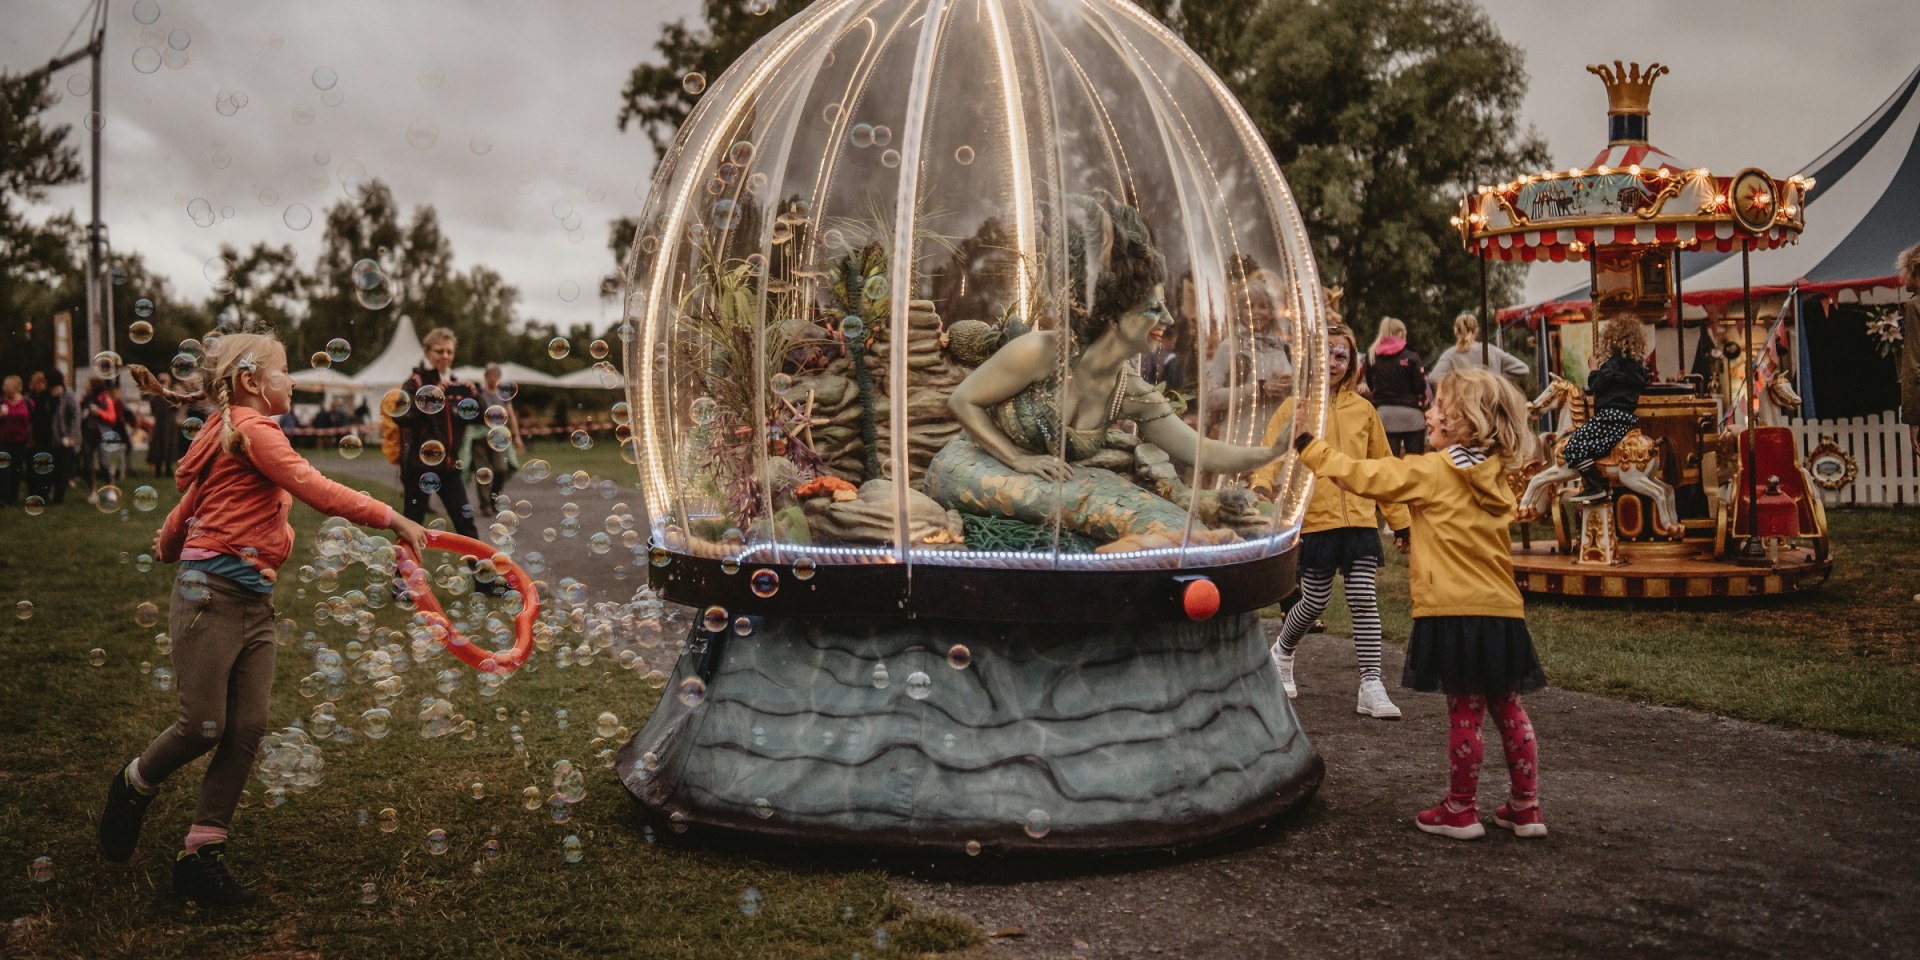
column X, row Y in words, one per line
column 1342, row 532
column 229, row 533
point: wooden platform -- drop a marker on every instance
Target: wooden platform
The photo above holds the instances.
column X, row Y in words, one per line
column 1664, row 571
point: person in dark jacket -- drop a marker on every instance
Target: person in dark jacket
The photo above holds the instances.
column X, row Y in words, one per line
column 163, row 442
column 1397, row 384
column 1615, row 385
column 429, row 430
column 61, row 439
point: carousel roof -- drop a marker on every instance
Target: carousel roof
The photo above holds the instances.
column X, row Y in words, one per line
column 1633, row 193
column 1868, row 208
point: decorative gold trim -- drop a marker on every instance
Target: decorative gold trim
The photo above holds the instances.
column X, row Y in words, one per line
column 1829, row 449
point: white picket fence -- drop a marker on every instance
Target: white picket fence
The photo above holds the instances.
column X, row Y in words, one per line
column 1880, row 448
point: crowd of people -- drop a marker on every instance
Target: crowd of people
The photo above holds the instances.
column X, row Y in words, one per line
column 52, row 439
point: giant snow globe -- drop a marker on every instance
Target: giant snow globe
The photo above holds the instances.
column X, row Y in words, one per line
column 958, row 333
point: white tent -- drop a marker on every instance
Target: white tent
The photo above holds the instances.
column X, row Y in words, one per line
column 324, row 380
column 510, row 372
column 394, row 364
column 600, row 376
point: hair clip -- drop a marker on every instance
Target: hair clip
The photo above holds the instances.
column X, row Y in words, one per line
column 247, row 363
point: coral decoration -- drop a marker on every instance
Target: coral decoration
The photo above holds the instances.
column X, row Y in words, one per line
column 826, row 486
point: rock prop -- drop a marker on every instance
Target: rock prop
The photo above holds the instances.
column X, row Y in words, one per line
column 932, row 376
column 868, row 516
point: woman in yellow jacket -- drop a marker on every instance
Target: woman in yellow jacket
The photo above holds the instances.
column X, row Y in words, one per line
column 1341, row 534
column 1470, row 634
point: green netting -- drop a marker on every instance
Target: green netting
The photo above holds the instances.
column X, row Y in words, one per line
column 1003, row 533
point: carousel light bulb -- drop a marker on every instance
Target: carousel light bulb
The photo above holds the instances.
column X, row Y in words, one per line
column 1719, row 199
column 1792, row 210
column 1573, row 171
column 1603, row 170
column 1634, row 169
column 1663, row 173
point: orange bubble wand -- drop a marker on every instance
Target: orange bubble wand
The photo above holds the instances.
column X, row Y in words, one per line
column 420, row 587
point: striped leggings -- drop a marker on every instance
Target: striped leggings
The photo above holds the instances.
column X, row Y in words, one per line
column 1316, row 589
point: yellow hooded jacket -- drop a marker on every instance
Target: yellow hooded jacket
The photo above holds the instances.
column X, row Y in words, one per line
column 1461, row 561
column 1353, row 428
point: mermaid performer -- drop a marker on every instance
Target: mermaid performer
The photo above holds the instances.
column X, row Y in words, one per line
column 1019, row 414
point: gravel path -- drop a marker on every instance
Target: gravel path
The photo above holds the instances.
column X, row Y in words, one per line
column 1674, row 834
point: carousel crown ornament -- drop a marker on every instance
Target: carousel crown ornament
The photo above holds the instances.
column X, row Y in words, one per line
column 967, row 579
column 1628, row 90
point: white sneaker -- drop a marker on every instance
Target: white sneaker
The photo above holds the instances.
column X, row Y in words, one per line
column 1374, row 702
column 1283, row 663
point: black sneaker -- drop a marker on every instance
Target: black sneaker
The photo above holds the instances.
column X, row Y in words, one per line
column 203, row 876
column 120, row 821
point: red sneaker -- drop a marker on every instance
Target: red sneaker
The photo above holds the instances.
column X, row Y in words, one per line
column 1446, row 822
column 1527, row 822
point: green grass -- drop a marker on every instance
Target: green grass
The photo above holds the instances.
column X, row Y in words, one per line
column 1844, row 658
column 67, row 724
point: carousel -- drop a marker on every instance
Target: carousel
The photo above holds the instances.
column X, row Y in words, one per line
column 1707, row 497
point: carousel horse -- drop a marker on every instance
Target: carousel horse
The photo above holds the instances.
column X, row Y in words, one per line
column 1634, row 462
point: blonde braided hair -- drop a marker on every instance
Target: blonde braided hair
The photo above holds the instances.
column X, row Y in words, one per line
column 227, row 357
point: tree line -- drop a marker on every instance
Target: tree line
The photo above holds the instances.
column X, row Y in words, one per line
column 42, row 272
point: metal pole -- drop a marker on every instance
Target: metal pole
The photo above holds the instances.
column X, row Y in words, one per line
column 1680, row 314
column 1486, row 330
column 99, row 336
column 1752, row 552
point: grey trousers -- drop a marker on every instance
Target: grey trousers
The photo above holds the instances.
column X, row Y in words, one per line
column 223, row 650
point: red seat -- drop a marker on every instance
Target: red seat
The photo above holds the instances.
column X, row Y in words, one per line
column 1775, row 455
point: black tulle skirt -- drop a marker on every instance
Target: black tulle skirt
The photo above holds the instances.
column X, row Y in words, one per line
column 1485, row 655
column 1334, row 549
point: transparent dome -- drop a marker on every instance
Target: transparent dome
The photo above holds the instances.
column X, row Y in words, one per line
column 1028, row 255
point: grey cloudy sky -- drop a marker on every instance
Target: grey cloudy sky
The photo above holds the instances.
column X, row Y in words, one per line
column 1755, row 82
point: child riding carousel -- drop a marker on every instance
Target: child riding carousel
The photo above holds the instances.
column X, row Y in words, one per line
column 1617, row 378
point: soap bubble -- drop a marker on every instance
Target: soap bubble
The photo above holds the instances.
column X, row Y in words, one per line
column 436, row 841
column 338, row 350
column 963, row 155
column 41, row 869
column 377, row 722
column 351, row 445
column 97, row 656
column 919, row 685
column 570, row 849
column 803, row 568
column 750, row 897
column 140, row 331
column 185, row 365
column 890, row 159
column 692, row 691
column 861, row 135
column 430, row 399
column 145, row 498
column 959, row 657
column 714, row 619
column 429, row 483
column 880, row 677
column 146, row 59
column 298, row 216
column 765, row 583
column 107, row 498
column 433, row 452
column 36, row 505
column 422, row 134
column 163, row 680
column 703, row 410
column 535, row 471
column 1038, row 824
column 23, row 610
column 146, row 614
column 107, row 364
column 146, row 11
column 694, row 83
column 558, row 347
column 389, row 819
column 569, row 292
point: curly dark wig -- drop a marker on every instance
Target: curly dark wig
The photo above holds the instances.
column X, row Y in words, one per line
column 1112, row 251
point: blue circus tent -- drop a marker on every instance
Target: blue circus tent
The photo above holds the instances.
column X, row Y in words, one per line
column 1863, row 211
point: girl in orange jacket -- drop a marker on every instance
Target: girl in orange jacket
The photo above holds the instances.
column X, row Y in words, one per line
column 229, row 533
column 1469, row 634
column 1341, row 535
